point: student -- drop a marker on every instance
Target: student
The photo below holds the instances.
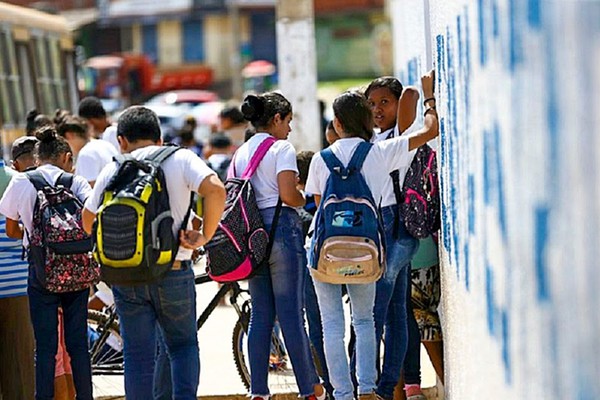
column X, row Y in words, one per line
column 91, row 154
column 16, row 334
column 233, row 124
column 353, row 122
column 393, row 112
column 276, row 290
column 91, row 109
column 54, row 156
column 331, row 135
column 219, row 148
column 169, row 304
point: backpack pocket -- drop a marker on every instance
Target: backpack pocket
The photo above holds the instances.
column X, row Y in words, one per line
column 349, row 260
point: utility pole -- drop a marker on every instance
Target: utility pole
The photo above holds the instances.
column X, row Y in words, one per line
column 296, row 55
column 236, row 58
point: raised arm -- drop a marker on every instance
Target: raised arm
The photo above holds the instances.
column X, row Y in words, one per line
column 407, row 108
column 430, row 129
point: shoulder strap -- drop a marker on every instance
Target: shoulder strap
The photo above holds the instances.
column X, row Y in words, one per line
column 37, row 180
column 332, row 162
column 121, row 158
column 257, row 157
column 162, row 154
column 359, row 156
column 65, row 180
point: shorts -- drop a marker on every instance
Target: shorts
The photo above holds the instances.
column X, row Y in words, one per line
column 425, row 297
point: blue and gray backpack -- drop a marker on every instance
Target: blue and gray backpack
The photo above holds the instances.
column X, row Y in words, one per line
column 348, row 245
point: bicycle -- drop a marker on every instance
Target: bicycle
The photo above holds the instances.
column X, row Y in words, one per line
column 106, row 344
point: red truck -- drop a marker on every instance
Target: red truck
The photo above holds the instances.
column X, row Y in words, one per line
column 132, row 78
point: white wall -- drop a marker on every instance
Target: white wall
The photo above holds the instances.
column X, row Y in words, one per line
column 518, row 89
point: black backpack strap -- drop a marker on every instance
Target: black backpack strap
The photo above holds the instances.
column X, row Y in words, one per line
column 395, row 175
column 163, row 153
column 65, row 180
column 121, row 158
column 273, row 228
column 37, row 180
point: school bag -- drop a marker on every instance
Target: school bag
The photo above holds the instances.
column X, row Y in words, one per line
column 133, row 232
column 348, row 245
column 241, row 244
column 59, row 248
column 420, row 196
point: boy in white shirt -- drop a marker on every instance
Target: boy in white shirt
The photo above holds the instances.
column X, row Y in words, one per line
column 171, row 302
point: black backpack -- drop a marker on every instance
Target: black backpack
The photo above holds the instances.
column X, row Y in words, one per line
column 420, row 205
column 133, row 232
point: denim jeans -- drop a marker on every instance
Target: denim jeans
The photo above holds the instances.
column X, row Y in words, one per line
column 169, row 305
column 277, row 290
column 43, row 307
column 362, row 298
column 390, row 300
column 315, row 329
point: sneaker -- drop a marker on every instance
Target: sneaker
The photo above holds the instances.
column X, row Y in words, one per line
column 370, row 396
column 416, row 397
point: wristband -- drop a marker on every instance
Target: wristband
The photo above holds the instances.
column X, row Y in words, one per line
column 429, row 109
column 429, row 99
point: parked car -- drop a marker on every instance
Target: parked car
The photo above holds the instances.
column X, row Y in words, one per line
column 184, row 97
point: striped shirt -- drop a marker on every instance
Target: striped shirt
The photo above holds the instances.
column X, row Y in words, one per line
column 13, row 270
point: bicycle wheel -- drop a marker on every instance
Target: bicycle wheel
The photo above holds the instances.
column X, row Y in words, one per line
column 105, row 344
column 281, row 377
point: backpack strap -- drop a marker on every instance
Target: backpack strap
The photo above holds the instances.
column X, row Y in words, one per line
column 65, row 180
column 359, row 156
column 121, row 158
column 37, row 180
column 163, row 153
column 259, row 154
column 332, row 162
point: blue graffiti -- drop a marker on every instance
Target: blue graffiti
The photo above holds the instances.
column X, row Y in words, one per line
column 515, row 43
column 534, row 12
column 482, row 35
column 541, row 240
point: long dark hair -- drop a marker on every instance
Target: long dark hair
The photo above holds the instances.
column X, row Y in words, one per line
column 261, row 109
column 353, row 112
column 388, row 82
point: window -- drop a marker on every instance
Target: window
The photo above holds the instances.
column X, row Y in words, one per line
column 44, row 79
column 13, row 107
column 150, row 42
column 57, row 73
column 193, row 41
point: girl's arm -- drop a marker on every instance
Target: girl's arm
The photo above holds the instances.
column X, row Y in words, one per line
column 289, row 193
column 407, row 108
column 430, row 127
column 14, row 230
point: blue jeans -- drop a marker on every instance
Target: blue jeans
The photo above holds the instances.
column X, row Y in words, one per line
column 278, row 290
column 315, row 329
column 43, row 306
column 168, row 305
column 390, row 300
column 362, row 298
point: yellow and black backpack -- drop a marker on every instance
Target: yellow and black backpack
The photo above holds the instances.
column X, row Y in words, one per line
column 133, row 233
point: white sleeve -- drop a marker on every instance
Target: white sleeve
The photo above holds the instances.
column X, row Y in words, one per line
column 286, row 159
column 93, row 201
column 88, row 166
column 195, row 170
column 395, row 153
column 9, row 207
column 81, row 188
column 317, row 176
column 110, row 135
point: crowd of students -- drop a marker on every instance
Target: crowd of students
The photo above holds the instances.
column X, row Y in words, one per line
column 162, row 314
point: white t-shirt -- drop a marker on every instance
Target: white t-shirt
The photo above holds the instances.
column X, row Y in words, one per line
column 280, row 157
column 184, row 172
column 110, row 135
column 384, row 157
column 20, row 195
column 388, row 196
column 93, row 157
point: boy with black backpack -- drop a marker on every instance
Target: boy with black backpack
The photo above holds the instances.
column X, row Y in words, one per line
column 139, row 210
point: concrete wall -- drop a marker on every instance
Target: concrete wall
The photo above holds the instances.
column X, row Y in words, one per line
column 518, row 90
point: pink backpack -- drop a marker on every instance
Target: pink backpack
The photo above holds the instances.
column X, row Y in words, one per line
column 241, row 243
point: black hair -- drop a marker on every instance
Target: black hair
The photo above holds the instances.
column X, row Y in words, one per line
column 219, row 141
column 330, row 126
column 139, row 123
column 72, row 123
column 91, row 107
column 388, row 82
column 34, row 120
column 353, row 112
column 248, row 133
column 303, row 160
column 261, row 109
column 51, row 145
column 233, row 113
column 60, row 115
